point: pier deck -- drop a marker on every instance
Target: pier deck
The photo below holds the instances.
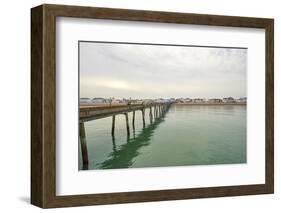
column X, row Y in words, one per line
column 88, row 113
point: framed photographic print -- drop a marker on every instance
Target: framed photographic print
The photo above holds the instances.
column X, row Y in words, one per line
column 136, row 106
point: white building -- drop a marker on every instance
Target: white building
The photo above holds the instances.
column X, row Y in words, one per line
column 215, row 100
column 187, row 100
column 228, row 100
column 85, row 101
column 241, row 100
column 183, row 100
column 98, row 100
column 198, row 100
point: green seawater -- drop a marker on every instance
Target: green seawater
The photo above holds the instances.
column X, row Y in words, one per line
column 184, row 136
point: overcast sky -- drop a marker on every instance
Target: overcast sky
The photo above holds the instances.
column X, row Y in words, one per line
column 154, row 71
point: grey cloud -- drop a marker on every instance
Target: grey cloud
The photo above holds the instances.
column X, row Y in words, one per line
column 204, row 71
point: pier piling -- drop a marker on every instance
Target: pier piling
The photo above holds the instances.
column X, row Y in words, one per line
column 113, row 125
column 157, row 113
column 143, row 117
column 150, row 114
column 133, row 121
column 127, row 124
column 84, row 149
column 113, row 144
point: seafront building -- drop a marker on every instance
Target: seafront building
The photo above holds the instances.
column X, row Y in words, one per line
column 215, row 100
column 199, row 100
column 124, row 101
column 228, row 100
column 85, row 100
column 241, row 100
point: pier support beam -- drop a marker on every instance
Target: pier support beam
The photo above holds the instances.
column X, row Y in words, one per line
column 113, row 126
column 127, row 124
column 150, row 114
column 143, row 117
column 83, row 142
column 133, row 121
column 113, row 144
column 156, row 114
column 157, row 111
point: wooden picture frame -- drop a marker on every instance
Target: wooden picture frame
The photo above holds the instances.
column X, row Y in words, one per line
column 43, row 105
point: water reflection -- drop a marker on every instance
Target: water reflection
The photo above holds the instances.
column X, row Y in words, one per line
column 186, row 132
column 123, row 157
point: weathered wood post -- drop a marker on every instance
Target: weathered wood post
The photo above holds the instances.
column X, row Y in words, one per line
column 157, row 111
column 150, row 114
column 113, row 144
column 143, row 117
column 133, row 121
column 113, row 126
column 83, row 142
column 127, row 124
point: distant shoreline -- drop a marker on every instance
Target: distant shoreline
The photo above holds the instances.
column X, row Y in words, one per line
column 178, row 104
column 210, row 104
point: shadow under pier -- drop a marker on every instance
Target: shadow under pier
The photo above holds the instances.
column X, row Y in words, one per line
column 123, row 157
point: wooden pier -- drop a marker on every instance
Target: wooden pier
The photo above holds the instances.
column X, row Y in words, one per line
column 89, row 113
